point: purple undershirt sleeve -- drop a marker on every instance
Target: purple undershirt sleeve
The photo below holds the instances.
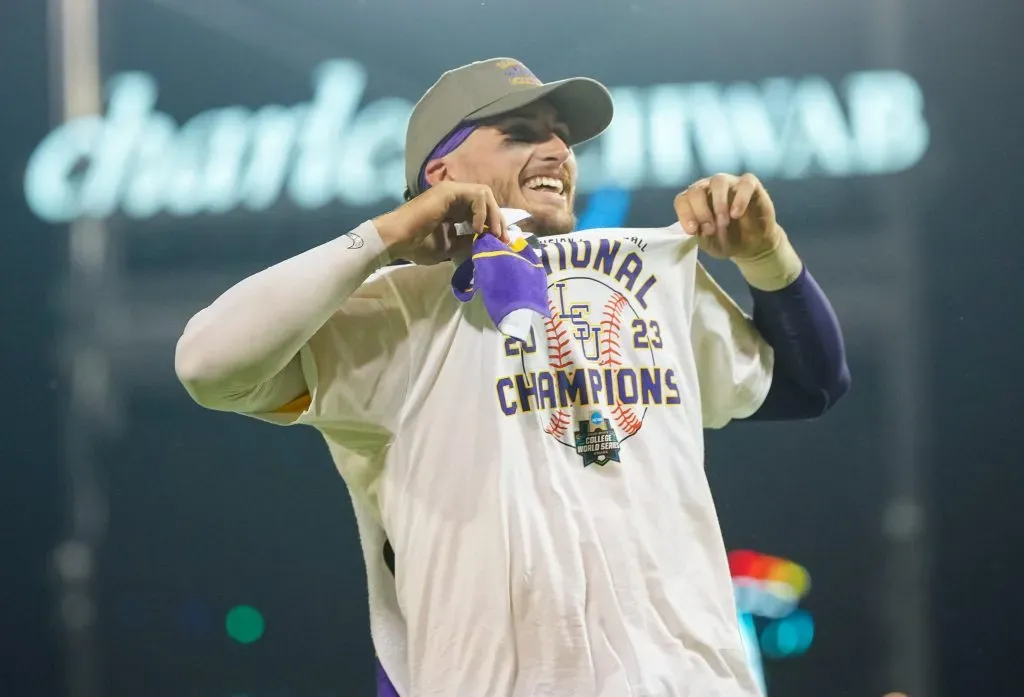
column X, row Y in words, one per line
column 810, row 373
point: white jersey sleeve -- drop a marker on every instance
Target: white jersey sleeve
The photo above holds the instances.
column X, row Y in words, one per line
column 734, row 362
column 358, row 368
column 318, row 338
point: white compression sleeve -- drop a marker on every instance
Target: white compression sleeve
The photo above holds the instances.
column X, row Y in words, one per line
column 240, row 353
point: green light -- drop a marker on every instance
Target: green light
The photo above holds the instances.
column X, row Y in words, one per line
column 244, row 624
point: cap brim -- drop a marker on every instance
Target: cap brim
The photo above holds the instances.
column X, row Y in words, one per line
column 584, row 106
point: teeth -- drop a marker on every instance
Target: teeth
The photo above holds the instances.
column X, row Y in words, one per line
column 545, row 182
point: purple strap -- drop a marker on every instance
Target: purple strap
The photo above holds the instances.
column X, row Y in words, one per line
column 811, row 373
column 445, row 147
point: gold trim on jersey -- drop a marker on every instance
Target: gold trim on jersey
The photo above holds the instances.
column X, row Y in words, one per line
column 296, row 406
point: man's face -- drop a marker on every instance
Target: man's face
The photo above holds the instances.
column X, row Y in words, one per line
column 524, row 158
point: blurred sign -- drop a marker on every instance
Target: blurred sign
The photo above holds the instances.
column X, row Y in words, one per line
column 139, row 161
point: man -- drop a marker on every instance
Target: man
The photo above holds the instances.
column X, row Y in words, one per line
column 541, row 502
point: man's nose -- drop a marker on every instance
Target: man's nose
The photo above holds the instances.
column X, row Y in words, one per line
column 554, row 149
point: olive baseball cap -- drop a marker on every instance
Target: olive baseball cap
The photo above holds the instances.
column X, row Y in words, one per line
column 489, row 88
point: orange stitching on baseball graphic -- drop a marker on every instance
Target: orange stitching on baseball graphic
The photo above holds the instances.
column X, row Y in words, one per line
column 558, row 340
column 611, row 357
column 611, row 324
column 559, row 359
column 558, row 423
column 626, row 419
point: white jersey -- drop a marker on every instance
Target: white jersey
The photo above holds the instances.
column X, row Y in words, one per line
column 553, row 528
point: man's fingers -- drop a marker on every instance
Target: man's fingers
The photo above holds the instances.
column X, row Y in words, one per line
column 485, row 213
column 684, row 212
column 497, row 221
column 698, row 200
column 494, row 223
column 481, row 211
column 744, row 194
column 693, row 210
column 719, row 194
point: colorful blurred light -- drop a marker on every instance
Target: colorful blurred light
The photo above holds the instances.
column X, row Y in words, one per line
column 745, row 563
column 741, row 561
column 790, row 636
column 771, row 588
column 245, row 624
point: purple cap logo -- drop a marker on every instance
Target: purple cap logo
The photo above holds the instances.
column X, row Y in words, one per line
column 517, row 73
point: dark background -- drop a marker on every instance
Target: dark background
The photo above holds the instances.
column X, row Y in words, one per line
column 207, row 511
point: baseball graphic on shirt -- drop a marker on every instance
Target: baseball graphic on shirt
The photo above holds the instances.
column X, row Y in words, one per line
column 602, row 355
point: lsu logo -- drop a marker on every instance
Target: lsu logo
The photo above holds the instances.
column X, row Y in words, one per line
column 586, row 333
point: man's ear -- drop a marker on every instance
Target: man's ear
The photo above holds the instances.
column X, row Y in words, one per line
column 436, row 172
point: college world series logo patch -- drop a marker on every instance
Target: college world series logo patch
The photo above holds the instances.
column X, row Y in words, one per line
column 596, row 441
column 595, row 371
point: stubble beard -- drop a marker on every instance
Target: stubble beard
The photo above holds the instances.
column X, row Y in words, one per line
column 543, row 227
column 542, row 224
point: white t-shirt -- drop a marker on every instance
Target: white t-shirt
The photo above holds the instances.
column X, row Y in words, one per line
column 553, row 528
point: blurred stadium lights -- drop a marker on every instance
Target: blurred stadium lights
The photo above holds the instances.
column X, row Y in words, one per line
column 245, row 624
column 768, row 591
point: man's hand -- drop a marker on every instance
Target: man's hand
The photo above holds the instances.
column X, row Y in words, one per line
column 423, row 230
column 732, row 216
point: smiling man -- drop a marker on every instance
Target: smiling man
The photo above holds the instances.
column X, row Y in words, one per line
column 488, row 155
column 533, row 513
column 473, row 124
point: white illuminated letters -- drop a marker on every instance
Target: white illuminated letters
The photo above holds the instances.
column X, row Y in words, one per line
column 137, row 161
column 887, row 119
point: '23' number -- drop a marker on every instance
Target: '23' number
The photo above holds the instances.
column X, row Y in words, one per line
column 646, row 335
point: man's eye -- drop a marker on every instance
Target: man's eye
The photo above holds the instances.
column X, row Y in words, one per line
column 521, row 135
column 530, row 135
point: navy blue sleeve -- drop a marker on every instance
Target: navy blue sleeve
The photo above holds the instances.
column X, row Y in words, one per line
column 810, row 373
